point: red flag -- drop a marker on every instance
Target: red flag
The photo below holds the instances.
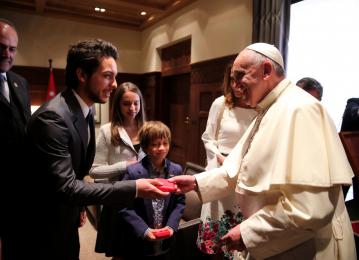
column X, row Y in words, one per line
column 51, row 89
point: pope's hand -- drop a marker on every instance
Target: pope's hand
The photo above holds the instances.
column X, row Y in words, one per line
column 220, row 158
column 185, row 183
column 233, row 239
column 146, row 188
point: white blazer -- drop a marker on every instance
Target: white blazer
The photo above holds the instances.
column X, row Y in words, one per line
column 110, row 161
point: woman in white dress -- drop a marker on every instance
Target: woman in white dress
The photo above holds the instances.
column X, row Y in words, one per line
column 117, row 147
column 228, row 119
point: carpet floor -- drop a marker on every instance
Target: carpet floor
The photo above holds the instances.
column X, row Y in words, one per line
column 87, row 235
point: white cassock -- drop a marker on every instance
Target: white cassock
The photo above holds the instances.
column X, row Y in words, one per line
column 287, row 171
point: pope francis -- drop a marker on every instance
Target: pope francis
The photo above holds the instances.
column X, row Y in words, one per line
column 286, row 171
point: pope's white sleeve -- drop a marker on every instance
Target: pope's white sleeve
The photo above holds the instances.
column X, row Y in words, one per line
column 215, row 184
column 294, row 219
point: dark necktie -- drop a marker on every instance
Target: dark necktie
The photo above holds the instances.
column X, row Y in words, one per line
column 90, row 151
column 2, row 88
column 89, row 120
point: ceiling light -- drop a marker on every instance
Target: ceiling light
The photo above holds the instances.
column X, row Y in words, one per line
column 143, row 13
column 98, row 9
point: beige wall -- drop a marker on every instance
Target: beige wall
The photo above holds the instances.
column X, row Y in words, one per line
column 217, row 28
column 42, row 38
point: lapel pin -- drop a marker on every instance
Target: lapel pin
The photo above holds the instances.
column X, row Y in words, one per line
column 15, row 84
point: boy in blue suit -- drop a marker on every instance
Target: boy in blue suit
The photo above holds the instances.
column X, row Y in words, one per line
column 150, row 215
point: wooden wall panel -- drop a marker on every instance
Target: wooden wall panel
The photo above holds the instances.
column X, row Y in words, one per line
column 176, row 58
column 38, row 79
column 150, row 87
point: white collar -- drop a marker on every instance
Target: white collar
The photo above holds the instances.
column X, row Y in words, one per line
column 84, row 107
column 4, row 75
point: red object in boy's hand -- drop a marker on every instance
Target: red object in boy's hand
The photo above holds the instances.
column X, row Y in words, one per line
column 166, row 185
column 161, row 233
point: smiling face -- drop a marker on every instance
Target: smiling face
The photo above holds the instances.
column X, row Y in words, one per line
column 252, row 77
column 97, row 88
column 8, row 46
column 155, row 139
column 130, row 105
column 246, row 78
column 157, row 150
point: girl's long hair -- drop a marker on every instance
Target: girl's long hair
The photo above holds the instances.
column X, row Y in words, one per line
column 117, row 119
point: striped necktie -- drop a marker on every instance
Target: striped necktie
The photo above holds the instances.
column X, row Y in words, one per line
column 3, row 90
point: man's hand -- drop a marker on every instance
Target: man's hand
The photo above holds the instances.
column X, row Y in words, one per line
column 185, row 183
column 146, row 188
column 233, row 239
column 154, row 234
column 149, row 235
column 83, row 218
column 220, row 158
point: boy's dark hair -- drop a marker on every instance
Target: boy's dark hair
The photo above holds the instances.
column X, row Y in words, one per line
column 86, row 55
column 152, row 130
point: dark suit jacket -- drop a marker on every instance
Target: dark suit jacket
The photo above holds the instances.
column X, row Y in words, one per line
column 140, row 217
column 57, row 135
column 13, row 119
column 350, row 116
column 351, row 123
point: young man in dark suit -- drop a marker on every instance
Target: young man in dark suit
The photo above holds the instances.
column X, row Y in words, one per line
column 62, row 148
column 14, row 114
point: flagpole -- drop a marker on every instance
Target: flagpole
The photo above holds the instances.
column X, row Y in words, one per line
column 51, row 89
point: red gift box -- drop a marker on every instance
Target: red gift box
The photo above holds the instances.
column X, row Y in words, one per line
column 162, row 233
column 166, row 185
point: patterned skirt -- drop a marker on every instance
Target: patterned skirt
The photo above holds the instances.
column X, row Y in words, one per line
column 218, row 217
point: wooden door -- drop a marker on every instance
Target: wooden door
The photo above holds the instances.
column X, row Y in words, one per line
column 176, row 115
column 202, row 96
